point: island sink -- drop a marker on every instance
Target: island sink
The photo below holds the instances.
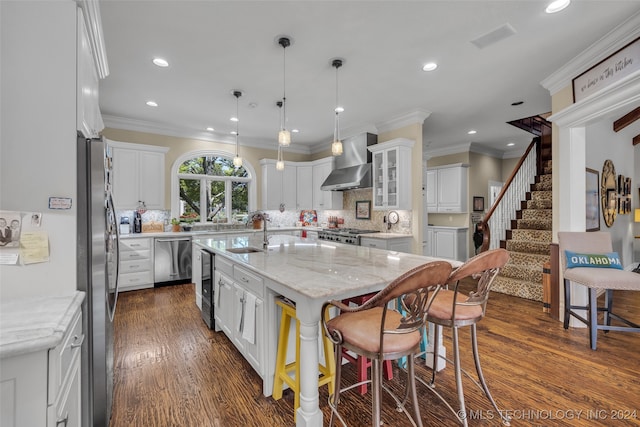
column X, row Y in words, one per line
column 244, row 250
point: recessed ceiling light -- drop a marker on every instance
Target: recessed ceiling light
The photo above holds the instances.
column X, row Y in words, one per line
column 295, row 130
column 233, row 132
column 339, row 109
column 429, row 66
column 511, row 144
column 234, row 119
column 472, row 132
column 160, row 62
column 152, row 103
column 557, row 6
column 210, row 129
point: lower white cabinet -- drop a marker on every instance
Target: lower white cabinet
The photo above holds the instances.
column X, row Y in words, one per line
column 136, row 264
column 448, row 242
column 42, row 388
column 399, row 244
column 234, row 289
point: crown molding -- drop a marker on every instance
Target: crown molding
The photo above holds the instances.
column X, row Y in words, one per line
column 444, row 151
column 611, row 42
column 414, row 117
column 488, row 151
column 93, row 22
column 621, row 94
column 123, row 123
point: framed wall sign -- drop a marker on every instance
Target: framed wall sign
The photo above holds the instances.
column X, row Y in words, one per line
column 478, row 203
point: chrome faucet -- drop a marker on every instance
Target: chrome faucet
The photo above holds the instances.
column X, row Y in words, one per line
column 264, row 217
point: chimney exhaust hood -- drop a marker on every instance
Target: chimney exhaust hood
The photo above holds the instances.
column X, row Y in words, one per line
column 353, row 167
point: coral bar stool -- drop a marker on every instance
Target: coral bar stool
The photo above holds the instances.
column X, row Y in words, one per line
column 284, row 370
column 361, row 362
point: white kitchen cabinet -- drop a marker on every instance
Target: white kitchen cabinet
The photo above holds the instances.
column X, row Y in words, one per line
column 398, row 244
column 136, row 263
column 447, row 189
column 278, row 187
column 391, row 174
column 89, row 120
column 324, row 200
column 448, row 242
column 252, row 351
column 42, row 388
column 223, row 303
column 304, row 187
column 138, row 175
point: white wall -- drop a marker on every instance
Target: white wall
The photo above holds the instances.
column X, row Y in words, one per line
column 38, row 135
column 602, row 144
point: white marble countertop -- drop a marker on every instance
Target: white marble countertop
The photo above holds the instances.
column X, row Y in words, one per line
column 386, row 236
column 198, row 233
column 35, row 323
column 448, row 227
column 316, row 268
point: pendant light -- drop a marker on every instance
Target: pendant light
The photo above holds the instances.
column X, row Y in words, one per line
column 280, row 161
column 284, row 136
column 237, row 160
column 336, row 145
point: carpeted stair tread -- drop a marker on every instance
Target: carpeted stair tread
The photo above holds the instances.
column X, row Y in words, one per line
column 528, row 235
column 542, row 186
column 542, row 195
column 539, row 204
column 529, row 247
column 528, row 259
column 534, row 224
column 519, row 288
column 528, row 273
column 544, row 214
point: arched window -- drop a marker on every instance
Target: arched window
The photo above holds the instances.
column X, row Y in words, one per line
column 210, row 189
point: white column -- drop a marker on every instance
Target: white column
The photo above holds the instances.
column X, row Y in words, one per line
column 309, row 414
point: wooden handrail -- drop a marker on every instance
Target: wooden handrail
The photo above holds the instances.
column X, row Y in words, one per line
column 486, row 232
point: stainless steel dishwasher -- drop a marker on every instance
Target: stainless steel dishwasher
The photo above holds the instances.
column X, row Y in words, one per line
column 172, row 261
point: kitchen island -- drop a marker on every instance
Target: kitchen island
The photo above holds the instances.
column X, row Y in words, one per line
column 308, row 272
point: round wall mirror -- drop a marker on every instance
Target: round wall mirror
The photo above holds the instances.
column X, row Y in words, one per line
column 609, row 192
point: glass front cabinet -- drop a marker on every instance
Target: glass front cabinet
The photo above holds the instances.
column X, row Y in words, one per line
column 391, row 174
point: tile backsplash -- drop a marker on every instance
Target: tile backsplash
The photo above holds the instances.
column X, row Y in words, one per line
column 289, row 218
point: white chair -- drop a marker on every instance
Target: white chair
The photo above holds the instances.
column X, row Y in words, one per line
column 596, row 280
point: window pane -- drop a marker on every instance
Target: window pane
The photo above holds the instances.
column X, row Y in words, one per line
column 215, row 166
column 239, row 201
column 190, row 198
column 217, row 201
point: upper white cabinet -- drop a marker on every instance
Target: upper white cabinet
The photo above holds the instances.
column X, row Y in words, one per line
column 324, row 200
column 304, row 186
column 278, row 187
column 89, row 120
column 447, row 189
column 138, row 175
column 298, row 186
column 391, row 174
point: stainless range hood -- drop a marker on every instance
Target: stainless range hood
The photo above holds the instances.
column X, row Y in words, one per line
column 353, row 167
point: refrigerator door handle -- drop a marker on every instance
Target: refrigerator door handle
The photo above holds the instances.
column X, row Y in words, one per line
column 113, row 226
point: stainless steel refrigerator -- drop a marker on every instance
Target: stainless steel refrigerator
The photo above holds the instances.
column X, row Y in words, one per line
column 97, row 276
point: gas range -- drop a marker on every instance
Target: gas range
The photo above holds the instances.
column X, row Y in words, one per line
column 350, row 236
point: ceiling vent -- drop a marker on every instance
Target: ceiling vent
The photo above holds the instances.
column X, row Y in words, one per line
column 494, row 36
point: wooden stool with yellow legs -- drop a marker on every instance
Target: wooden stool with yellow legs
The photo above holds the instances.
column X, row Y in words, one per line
column 283, row 369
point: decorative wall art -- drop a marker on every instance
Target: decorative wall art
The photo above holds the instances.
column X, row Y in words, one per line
column 363, row 209
column 478, row 203
column 609, row 193
column 592, row 201
column 624, row 195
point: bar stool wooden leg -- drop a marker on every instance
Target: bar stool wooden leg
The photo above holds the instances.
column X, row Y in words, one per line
column 283, row 369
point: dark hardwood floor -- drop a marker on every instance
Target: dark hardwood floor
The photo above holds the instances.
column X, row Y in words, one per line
column 171, row 370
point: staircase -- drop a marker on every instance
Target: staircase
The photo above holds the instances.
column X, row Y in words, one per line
column 530, row 235
column 528, row 242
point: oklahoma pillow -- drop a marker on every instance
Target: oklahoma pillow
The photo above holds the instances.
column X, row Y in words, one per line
column 606, row 260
